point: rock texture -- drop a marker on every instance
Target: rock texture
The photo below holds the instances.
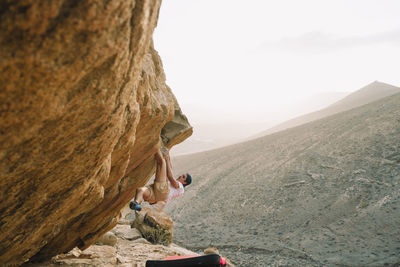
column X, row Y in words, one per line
column 155, row 225
column 126, row 232
column 109, row 239
column 83, row 101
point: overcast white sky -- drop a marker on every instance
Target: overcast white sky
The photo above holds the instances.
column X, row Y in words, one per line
column 252, row 61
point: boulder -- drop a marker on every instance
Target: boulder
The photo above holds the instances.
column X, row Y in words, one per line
column 141, row 241
column 155, row 225
column 108, row 239
column 124, row 222
column 127, row 215
column 83, row 102
column 105, row 256
column 126, row 232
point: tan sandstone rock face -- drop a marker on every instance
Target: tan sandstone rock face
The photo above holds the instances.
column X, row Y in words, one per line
column 83, row 102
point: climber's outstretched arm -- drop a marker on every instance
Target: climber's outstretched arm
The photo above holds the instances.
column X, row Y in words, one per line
column 170, row 176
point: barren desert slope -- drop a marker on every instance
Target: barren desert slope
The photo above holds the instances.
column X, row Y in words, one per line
column 326, row 193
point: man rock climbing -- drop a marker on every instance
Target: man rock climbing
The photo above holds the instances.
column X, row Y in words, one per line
column 165, row 187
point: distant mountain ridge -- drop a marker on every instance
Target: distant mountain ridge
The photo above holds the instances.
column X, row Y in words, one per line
column 208, row 136
column 372, row 92
column 369, row 93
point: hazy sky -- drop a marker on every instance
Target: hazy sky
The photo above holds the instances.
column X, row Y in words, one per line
column 252, row 61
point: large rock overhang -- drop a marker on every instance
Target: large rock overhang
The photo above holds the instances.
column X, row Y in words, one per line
column 83, row 102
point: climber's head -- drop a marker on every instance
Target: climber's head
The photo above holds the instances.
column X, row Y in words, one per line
column 185, row 179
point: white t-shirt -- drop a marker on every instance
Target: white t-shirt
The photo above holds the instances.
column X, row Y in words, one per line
column 174, row 193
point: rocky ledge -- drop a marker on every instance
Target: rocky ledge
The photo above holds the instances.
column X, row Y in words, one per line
column 123, row 246
column 136, row 238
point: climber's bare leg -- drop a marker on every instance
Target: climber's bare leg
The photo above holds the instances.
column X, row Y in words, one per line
column 161, row 170
column 142, row 193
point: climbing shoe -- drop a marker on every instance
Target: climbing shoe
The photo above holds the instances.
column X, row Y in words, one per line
column 135, row 206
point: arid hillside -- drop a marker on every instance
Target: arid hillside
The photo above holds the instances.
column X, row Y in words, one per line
column 326, row 193
column 369, row 93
